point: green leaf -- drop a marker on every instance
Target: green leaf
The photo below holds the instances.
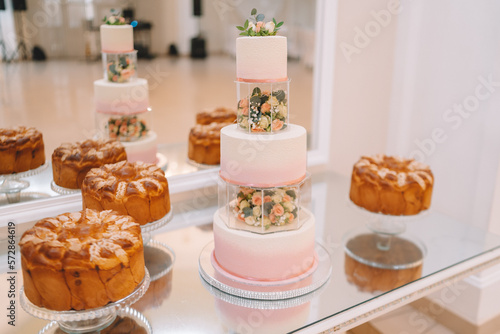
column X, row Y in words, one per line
column 274, row 21
column 268, row 206
column 112, row 69
column 248, row 211
column 244, row 33
column 254, row 11
column 240, row 28
column 279, row 24
column 256, row 91
column 280, row 95
column 255, row 100
column 123, row 62
column 246, row 25
column 260, row 17
column 291, row 193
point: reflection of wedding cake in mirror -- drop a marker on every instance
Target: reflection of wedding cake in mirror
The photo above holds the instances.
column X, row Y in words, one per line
column 121, row 99
column 265, row 190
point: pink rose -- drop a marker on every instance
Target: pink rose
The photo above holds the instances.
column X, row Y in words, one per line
column 115, row 78
column 278, row 210
column 258, row 130
column 245, row 111
column 243, row 103
column 267, row 199
column 258, row 26
column 257, row 199
column 123, row 128
column 241, row 216
column 122, row 20
column 266, row 93
column 272, row 218
column 287, row 198
column 126, row 74
column 277, row 125
column 290, row 217
column 247, row 191
column 265, row 107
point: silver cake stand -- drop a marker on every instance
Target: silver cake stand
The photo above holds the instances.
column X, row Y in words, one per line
column 305, row 283
column 84, row 321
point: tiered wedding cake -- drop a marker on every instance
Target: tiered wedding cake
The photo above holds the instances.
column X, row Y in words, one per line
column 121, row 99
column 263, row 230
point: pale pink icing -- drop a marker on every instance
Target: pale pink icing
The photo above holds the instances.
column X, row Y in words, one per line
column 122, row 106
column 273, row 256
column 145, row 156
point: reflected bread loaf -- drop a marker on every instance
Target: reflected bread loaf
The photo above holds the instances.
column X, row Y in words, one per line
column 137, row 189
column 217, row 115
column 81, row 260
column 391, row 185
column 21, row 149
column 204, row 143
column 72, row 161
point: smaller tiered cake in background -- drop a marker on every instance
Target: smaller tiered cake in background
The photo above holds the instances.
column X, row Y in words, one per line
column 121, row 99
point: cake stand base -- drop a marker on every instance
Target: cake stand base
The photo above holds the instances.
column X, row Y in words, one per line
column 146, row 229
column 161, row 161
column 309, row 281
column 11, row 184
column 201, row 166
column 63, row 191
column 159, row 259
column 127, row 317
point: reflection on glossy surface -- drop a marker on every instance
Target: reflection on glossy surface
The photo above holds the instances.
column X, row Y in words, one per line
column 190, row 308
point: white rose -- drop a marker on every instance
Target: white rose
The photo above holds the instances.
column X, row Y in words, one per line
column 274, row 101
column 283, row 110
column 269, row 26
column 289, row 206
column 264, row 122
column 244, row 123
column 251, row 25
column 250, row 220
column 112, row 19
column 276, row 198
column 280, row 192
column 244, row 204
column 257, row 211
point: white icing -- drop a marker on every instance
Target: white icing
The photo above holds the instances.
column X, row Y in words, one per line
column 261, row 58
column 125, row 98
column 117, row 38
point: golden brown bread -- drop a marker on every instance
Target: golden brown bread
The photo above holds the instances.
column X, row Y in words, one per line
column 72, row 161
column 391, row 185
column 135, row 188
column 21, row 149
column 217, row 115
column 81, row 260
column 204, row 143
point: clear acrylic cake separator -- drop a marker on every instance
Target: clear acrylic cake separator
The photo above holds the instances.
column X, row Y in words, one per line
column 11, row 184
column 86, row 321
column 119, row 67
column 125, row 126
column 263, row 106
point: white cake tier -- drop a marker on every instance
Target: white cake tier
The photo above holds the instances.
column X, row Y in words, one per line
column 121, row 98
column 117, row 38
column 142, row 150
column 263, row 160
column 261, row 59
column 266, row 257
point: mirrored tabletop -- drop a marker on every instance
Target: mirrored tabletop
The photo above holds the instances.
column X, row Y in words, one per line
column 182, row 302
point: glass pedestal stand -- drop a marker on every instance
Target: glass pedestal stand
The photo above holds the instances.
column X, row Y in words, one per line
column 11, row 184
column 85, row 321
column 381, row 256
column 159, row 258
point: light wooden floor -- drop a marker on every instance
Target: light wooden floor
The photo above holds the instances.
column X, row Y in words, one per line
column 57, row 96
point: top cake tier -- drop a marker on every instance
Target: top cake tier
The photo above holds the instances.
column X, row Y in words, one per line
column 117, row 38
column 261, row 59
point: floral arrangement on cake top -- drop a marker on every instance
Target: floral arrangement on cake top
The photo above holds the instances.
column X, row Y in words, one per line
column 277, row 206
column 121, row 69
column 257, row 27
column 126, row 128
column 263, row 111
column 115, row 19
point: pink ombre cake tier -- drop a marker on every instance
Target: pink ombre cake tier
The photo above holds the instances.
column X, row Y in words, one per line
column 121, row 98
column 143, row 150
column 263, row 160
column 117, row 38
column 265, row 257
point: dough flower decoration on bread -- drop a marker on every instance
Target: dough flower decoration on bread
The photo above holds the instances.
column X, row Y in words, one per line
column 115, row 19
column 257, row 27
column 269, row 207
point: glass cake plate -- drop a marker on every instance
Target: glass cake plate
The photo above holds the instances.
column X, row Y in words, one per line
column 146, row 229
column 127, row 320
column 25, row 196
column 63, row 191
column 305, row 283
column 159, row 259
column 201, row 166
column 11, row 184
column 86, row 321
